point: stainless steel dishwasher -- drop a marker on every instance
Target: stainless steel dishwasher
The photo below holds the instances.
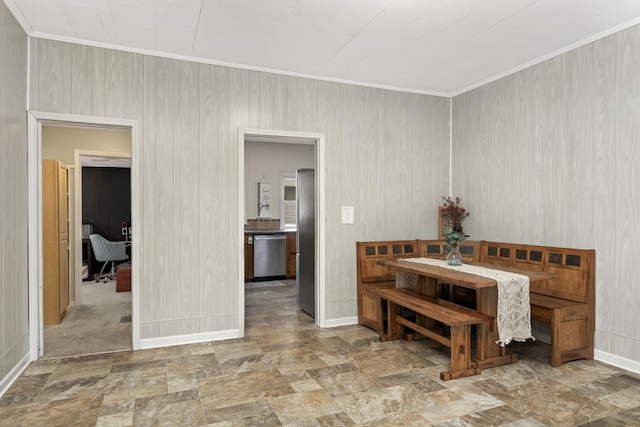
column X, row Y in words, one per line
column 269, row 256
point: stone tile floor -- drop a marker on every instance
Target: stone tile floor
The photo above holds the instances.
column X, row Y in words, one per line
column 289, row 372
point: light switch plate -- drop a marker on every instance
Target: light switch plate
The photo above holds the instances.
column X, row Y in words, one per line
column 347, row 214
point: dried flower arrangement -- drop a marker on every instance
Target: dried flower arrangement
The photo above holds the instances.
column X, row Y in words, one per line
column 453, row 212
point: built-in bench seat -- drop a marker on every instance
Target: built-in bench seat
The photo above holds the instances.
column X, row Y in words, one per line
column 373, row 276
column 458, row 319
column 567, row 303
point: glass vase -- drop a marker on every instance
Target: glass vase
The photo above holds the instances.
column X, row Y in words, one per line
column 454, row 257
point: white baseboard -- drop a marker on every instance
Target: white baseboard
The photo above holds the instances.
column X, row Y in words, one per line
column 620, row 362
column 188, row 339
column 13, row 374
column 344, row 321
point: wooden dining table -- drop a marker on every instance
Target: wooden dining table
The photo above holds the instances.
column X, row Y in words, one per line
column 488, row 352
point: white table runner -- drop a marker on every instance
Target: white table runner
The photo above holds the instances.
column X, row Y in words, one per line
column 514, row 308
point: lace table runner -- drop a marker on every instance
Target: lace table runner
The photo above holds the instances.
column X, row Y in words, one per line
column 514, row 308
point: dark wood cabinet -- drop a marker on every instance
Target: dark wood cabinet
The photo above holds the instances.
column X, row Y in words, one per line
column 248, row 257
column 291, row 256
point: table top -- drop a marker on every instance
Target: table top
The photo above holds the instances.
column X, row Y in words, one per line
column 467, row 280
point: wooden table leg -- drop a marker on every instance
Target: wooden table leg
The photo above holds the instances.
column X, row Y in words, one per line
column 461, row 365
column 488, row 353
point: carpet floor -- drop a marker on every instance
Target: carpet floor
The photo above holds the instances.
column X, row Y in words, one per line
column 101, row 324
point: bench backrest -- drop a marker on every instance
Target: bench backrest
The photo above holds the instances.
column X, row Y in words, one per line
column 575, row 268
column 369, row 253
column 469, row 249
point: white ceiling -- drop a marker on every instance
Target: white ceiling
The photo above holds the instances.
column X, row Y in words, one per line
column 441, row 47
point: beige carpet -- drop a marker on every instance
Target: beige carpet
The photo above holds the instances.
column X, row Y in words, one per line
column 101, row 324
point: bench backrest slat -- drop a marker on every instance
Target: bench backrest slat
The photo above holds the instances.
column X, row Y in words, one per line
column 575, row 267
column 469, row 249
column 370, row 253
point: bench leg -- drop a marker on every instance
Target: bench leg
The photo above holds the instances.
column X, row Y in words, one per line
column 460, row 354
column 394, row 329
column 571, row 335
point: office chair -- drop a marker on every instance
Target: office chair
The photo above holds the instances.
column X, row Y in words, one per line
column 108, row 252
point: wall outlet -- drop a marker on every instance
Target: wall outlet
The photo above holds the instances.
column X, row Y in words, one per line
column 347, row 214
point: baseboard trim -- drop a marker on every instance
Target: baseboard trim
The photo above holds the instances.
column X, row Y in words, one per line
column 188, row 339
column 14, row 373
column 344, row 321
column 618, row 361
column 542, row 337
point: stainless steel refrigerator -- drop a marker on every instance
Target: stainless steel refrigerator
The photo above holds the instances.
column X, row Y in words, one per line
column 306, row 241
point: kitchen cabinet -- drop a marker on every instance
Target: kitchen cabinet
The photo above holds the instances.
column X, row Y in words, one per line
column 291, row 256
column 248, row 257
column 55, row 240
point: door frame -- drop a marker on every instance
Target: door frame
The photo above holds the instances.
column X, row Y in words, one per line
column 35, row 121
column 78, row 185
column 318, row 140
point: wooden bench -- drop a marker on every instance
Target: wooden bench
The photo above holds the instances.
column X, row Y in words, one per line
column 567, row 303
column 457, row 318
column 372, row 276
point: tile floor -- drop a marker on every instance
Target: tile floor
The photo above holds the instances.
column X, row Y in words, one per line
column 288, row 372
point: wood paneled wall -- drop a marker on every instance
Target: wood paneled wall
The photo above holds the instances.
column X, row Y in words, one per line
column 14, row 339
column 550, row 156
column 386, row 155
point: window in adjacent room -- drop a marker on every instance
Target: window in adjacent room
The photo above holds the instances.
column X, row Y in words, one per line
column 289, row 200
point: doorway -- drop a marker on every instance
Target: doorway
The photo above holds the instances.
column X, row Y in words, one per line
column 110, row 227
column 36, row 121
column 285, row 137
column 98, row 319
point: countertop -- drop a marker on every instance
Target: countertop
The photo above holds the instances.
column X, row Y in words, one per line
column 268, row 231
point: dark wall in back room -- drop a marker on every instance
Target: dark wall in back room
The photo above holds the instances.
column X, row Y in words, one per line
column 106, row 200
